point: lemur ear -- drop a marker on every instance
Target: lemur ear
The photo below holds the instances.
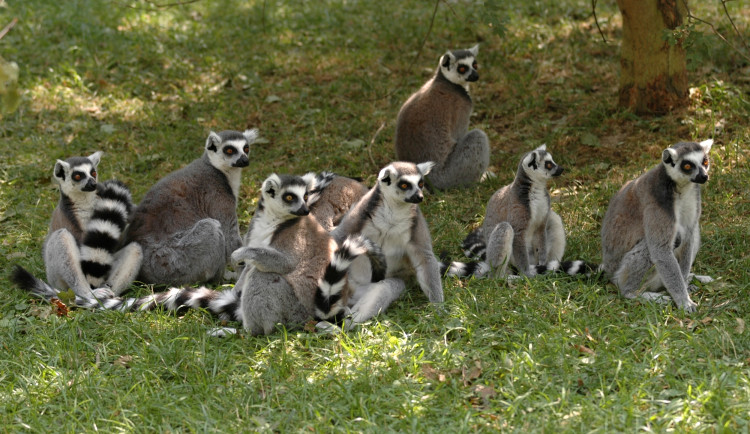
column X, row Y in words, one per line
column 669, row 156
column 474, row 50
column 309, row 179
column 251, row 135
column 61, row 168
column 95, row 158
column 271, row 184
column 706, row 145
column 446, row 60
column 212, row 142
column 543, row 147
column 385, row 174
column 426, row 167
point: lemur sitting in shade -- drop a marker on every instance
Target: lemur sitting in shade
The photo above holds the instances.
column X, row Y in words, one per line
column 433, row 124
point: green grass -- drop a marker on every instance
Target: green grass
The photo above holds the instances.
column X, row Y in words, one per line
column 146, row 84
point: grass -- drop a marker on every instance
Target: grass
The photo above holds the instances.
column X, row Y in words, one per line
column 145, row 84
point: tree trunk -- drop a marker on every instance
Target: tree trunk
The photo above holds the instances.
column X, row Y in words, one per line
column 653, row 74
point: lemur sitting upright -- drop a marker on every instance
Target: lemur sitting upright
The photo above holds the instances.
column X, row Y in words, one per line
column 433, row 124
column 390, row 217
column 187, row 222
column 651, row 225
column 519, row 226
column 81, row 248
column 294, row 269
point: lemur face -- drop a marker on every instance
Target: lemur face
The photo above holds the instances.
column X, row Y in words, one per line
column 230, row 149
column 460, row 66
column 539, row 165
column 77, row 174
column 285, row 196
column 688, row 162
column 403, row 182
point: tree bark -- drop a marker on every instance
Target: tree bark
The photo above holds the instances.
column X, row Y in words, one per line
column 653, row 76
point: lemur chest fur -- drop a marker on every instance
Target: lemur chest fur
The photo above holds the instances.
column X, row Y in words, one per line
column 82, row 208
column 685, row 210
column 538, row 208
column 263, row 230
column 390, row 228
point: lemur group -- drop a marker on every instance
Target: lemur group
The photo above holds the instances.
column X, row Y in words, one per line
column 327, row 248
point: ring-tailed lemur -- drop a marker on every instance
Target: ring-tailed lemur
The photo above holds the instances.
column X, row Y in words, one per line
column 81, row 248
column 331, row 196
column 433, row 124
column 187, row 222
column 294, row 269
column 520, row 228
column 389, row 215
column 652, row 223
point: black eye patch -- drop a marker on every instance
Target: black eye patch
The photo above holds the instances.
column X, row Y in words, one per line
column 462, row 69
column 403, row 185
column 289, row 197
column 687, row 166
column 229, row 150
column 549, row 165
column 77, row 176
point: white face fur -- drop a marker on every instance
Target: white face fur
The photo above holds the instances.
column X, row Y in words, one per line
column 539, row 165
column 285, row 198
column 460, row 69
column 77, row 175
column 232, row 153
column 402, row 184
column 688, row 165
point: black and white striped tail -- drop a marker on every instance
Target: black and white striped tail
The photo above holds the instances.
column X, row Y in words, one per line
column 39, row 288
column 329, row 305
column 223, row 304
column 474, row 246
column 571, row 268
column 464, row 269
column 102, row 236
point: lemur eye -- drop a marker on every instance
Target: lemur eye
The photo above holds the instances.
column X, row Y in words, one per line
column 305, row 197
column 461, row 69
column 77, row 176
column 229, row 150
column 474, row 65
column 421, row 184
column 549, row 165
column 687, row 166
column 246, row 149
column 288, row 197
column 705, row 162
column 403, row 185
column 93, row 173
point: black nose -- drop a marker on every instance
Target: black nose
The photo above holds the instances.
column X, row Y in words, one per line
column 242, row 162
column 90, row 185
column 559, row 171
column 301, row 211
column 700, row 178
column 474, row 76
column 415, row 198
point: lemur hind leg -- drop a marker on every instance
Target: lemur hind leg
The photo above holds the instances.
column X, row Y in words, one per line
column 267, row 300
column 500, row 248
column 375, row 298
column 125, row 268
column 62, row 260
column 631, row 275
column 197, row 254
column 555, row 237
column 465, row 164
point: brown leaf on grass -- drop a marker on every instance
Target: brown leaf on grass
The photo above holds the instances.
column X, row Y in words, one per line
column 60, row 308
column 584, row 349
column 485, row 392
column 470, row 374
column 310, row 326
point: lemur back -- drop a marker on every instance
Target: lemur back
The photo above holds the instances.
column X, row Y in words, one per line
column 652, row 223
column 520, row 228
column 331, row 197
column 187, row 222
column 433, row 124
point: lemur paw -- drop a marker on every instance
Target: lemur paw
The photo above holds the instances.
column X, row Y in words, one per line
column 242, row 255
column 103, row 292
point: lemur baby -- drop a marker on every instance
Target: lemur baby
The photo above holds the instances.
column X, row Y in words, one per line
column 520, row 228
column 390, row 217
column 652, row 223
column 81, row 248
column 187, row 222
column 433, row 124
column 331, row 196
column 294, row 270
